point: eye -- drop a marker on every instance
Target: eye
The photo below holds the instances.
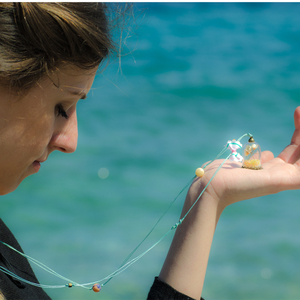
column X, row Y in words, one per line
column 60, row 111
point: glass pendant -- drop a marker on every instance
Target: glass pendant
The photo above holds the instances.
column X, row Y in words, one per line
column 251, row 155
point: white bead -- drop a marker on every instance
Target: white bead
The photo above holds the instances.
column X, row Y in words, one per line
column 199, row 172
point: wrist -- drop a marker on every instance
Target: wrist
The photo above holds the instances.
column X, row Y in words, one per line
column 208, row 199
column 186, row 262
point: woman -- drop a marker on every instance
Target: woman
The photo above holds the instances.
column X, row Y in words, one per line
column 49, row 57
column 50, row 54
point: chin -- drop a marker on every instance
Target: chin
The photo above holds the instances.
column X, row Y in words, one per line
column 9, row 187
column 6, row 190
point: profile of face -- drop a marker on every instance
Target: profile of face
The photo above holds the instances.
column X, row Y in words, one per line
column 35, row 123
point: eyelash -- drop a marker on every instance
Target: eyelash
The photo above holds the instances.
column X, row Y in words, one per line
column 60, row 111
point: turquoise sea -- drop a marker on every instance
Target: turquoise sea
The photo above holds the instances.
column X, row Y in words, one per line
column 191, row 77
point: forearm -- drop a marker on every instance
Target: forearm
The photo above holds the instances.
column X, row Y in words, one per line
column 185, row 266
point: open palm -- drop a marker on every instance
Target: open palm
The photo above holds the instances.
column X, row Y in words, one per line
column 233, row 183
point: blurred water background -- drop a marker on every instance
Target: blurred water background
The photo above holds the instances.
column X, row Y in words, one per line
column 194, row 75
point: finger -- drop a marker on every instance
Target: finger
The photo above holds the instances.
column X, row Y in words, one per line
column 296, row 136
column 266, row 156
column 292, row 152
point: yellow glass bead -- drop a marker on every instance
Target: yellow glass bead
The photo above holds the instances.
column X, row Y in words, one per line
column 96, row 287
column 252, row 164
column 199, row 172
column 252, row 155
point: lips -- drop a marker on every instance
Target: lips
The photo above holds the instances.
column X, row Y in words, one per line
column 36, row 165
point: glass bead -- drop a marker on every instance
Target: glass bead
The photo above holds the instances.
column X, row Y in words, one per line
column 199, row 172
column 252, row 155
column 96, row 287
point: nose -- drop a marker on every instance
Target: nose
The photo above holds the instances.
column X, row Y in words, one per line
column 65, row 135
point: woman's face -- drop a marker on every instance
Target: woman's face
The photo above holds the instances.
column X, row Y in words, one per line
column 39, row 122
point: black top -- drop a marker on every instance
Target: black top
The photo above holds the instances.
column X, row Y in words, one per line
column 163, row 291
column 11, row 288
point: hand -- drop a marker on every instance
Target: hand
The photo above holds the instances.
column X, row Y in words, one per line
column 186, row 262
column 233, row 183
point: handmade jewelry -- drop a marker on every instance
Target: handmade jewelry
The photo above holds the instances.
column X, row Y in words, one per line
column 251, row 160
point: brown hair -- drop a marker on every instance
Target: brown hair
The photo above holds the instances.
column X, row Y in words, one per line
column 35, row 38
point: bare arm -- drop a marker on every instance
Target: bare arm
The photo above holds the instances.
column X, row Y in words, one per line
column 185, row 266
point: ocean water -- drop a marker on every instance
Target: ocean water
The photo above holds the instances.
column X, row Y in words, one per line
column 192, row 76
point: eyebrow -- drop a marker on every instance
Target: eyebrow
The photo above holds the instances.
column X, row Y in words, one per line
column 82, row 94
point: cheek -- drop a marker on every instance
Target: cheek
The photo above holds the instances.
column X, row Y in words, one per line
column 26, row 139
column 38, row 138
column 20, row 145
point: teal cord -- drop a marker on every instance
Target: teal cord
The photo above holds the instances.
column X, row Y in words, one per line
column 126, row 263
column 182, row 219
column 39, row 264
column 137, row 247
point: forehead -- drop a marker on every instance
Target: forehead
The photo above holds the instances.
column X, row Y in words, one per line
column 72, row 79
column 67, row 81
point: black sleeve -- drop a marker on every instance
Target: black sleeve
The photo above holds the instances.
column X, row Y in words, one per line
column 163, row 291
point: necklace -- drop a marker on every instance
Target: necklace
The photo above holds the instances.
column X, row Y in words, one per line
column 251, row 159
